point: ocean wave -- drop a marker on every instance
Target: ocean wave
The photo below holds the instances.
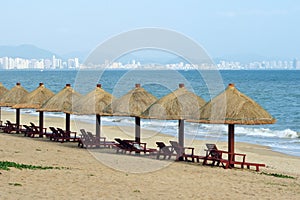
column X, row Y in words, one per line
column 171, row 126
column 266, row 132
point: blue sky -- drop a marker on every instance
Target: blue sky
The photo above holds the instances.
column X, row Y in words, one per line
column 267, row 28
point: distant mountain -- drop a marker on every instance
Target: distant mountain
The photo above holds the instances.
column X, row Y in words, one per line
column 25, row 51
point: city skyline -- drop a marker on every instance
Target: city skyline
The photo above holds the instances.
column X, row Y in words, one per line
column 9, row 63
column 224, row 29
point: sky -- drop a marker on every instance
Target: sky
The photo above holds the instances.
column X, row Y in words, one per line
column 268, row 28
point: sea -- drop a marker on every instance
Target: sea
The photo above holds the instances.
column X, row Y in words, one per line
column 277, row 91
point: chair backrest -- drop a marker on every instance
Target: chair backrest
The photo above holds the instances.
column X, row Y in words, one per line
column 211, row 147
column 54, row 131
column 124, row 144
column 34, row 127
column 63, row 133
column 212, row 150
column 176, row 147
column 60, row 131
column 28, row 128
column 164, row 148
column 83, row 132
column 160, row 145
column 174, row 144
column 119, row 141
column 91, row 136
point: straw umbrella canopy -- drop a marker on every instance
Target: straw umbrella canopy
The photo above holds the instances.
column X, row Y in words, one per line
column 35, row 100
column 233, row 107
column 178, row 105
column 132, row 104
column 13, row 97
column 3, row 90
column 62, row 102
column 93, row 104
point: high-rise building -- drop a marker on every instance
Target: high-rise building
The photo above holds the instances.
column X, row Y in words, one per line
column 76, row 60
column 295, row 63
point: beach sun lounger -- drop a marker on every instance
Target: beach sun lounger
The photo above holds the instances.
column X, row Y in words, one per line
column 182, row 151
column 166, row 151
column 11, row 127
column 216, row 157
column 28, row 131
column 132, row 146
column 88, row 140
column 38, row 131
column 67, row 136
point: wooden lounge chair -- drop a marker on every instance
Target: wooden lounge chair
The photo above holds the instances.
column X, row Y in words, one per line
column 132, row 146
column 55, row 134
column 121, row 146
column 28, row 131
column 85, row 141
column 67, row 136
column 217, row 157
column 101, row 141
column 38, row 132
column 139, row 147
column 10, row 127
column 166, row 151
column 182, row 151
column 59, row 135
column 88, row 140
column 214, row 153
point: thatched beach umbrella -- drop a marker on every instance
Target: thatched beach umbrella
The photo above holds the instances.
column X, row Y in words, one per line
column 132, row 104
column 93, row 104
column 178, row 105
column 13, row 97
column 62, row 102
column 35, row 100
column 232, row 107
column 3, row 90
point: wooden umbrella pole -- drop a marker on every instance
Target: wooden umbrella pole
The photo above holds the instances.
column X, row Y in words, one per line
column 0, row 113
column 181, row 136
column 41, row 122
column 98, row 126
column 68, row 122
column 18, row 119
column 181, row 132
column 138, row 129
column 98, row 129
column 231, row 143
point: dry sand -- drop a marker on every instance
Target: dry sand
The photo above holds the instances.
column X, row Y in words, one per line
column 103, row 174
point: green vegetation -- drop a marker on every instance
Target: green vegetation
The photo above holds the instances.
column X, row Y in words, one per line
column 5, row 165
column 278, row 175
column 15, row 184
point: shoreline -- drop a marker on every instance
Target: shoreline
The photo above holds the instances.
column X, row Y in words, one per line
column 128, row 129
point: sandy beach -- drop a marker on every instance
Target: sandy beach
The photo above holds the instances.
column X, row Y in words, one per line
column 103, row 174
